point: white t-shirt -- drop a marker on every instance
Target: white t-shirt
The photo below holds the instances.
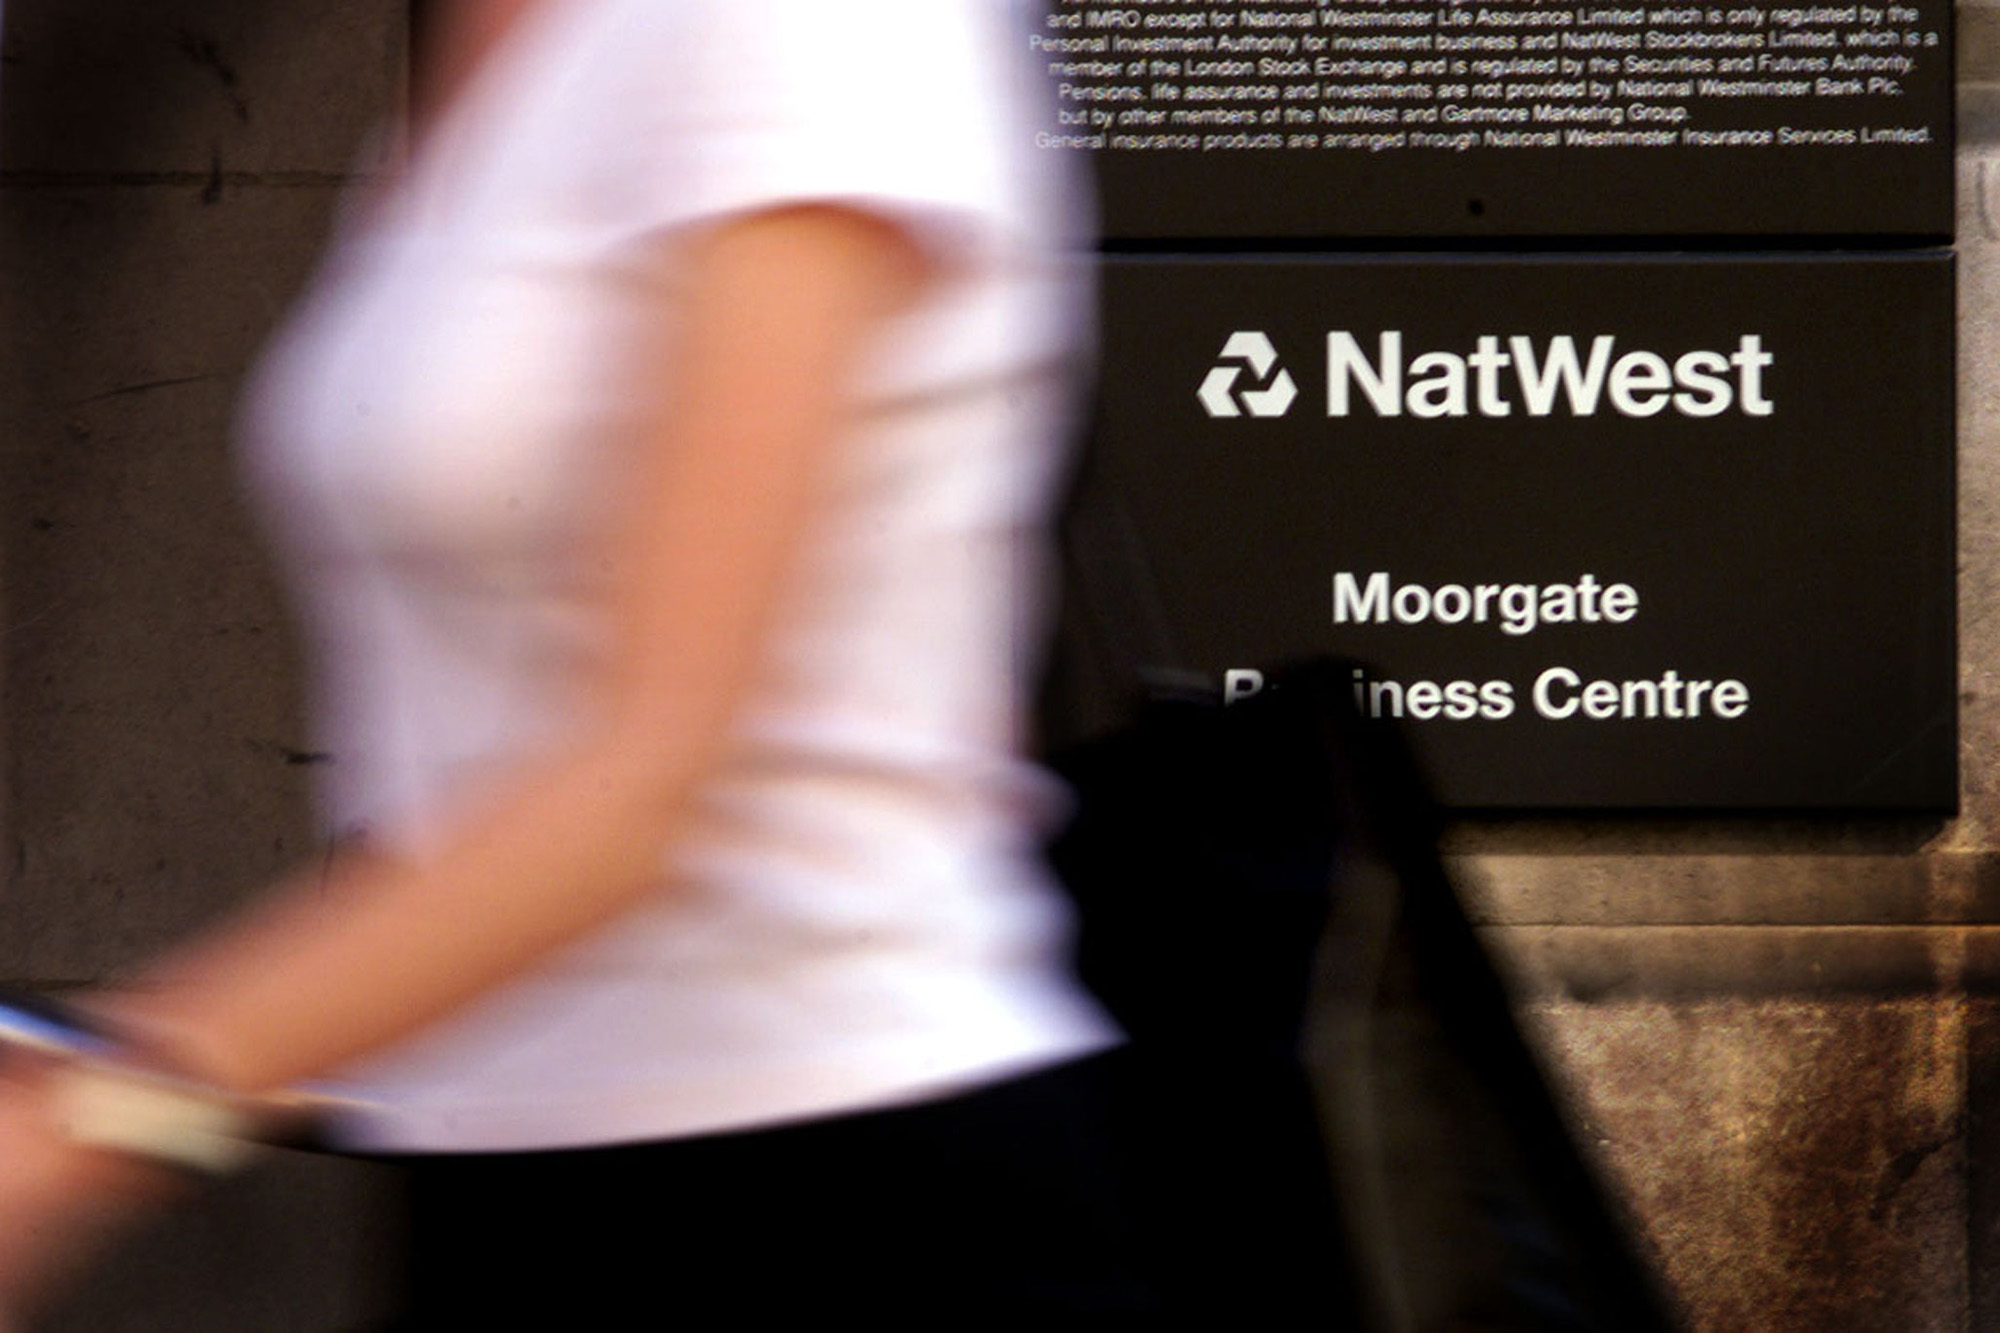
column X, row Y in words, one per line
column 856, row 917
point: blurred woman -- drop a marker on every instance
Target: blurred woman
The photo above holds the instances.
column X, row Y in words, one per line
column 661, row 461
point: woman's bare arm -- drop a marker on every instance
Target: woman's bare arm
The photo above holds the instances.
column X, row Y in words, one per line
column 777, row 306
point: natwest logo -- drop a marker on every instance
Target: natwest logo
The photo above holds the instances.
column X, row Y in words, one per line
column 1268, row 394
column 1544, row 377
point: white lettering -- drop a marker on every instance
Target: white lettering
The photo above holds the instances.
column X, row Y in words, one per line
column 1639, row 384
column 1553, row 375
column 1559, row 693
column 1241, row 683
column 1384, row 388
column 1539, row 380
column 1515, row 608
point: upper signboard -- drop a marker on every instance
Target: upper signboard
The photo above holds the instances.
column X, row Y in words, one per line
column 1359, row 120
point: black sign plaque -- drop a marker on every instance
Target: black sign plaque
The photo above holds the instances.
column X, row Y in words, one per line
column 1614, row 532
column 1342, row 120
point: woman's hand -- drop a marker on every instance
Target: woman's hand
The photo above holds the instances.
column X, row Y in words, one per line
column 59, row 1201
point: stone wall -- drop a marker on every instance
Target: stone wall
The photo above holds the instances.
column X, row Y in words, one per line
column 167, row 170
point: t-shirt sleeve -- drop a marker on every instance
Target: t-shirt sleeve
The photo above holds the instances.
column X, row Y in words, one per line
column 909, row 108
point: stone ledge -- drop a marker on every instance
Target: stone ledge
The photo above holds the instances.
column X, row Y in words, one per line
column 1699, row 890
column 1941, row 887
column 1595, row 964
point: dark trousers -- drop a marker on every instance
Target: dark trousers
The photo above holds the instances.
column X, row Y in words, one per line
column 999, row 1202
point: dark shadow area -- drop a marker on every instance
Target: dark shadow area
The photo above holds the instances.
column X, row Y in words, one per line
column 1332, row 1116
